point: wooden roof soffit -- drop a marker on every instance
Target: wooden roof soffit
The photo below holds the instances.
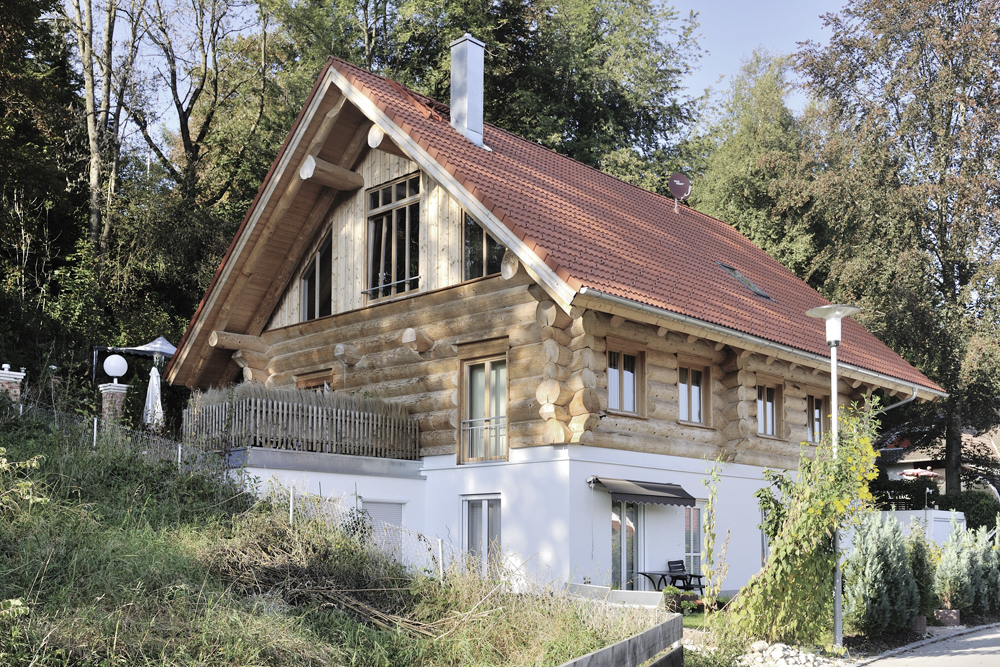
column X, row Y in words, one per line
column 743, row 349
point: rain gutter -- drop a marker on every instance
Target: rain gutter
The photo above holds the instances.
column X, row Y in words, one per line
column 755, row 340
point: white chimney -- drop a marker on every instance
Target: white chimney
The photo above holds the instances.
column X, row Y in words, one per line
column 467, row 65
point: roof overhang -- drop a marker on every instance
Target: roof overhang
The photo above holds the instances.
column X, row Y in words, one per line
column 650, row 493
column 616, row 305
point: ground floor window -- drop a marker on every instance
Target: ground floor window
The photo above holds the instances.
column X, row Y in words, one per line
column 624, row 544
column 482, row 531
column 692, row 539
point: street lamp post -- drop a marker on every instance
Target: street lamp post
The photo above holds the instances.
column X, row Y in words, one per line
column 833, row 314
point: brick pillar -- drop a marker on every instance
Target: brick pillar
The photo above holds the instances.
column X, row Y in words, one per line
column 10, row 383
column 112, row 398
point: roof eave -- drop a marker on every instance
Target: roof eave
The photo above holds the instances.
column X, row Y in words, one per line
column 602, row 301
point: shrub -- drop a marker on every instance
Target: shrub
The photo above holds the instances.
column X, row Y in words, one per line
column 880, row 595
column 918, row 552
column 980, row 510
column 985, row 575
column 953, row 574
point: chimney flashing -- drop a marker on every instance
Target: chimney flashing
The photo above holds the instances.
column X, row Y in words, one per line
column 467, row 74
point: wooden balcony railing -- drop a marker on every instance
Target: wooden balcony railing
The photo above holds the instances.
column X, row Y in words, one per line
column 277, row 424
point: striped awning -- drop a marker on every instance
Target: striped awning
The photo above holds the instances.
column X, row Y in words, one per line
column 652, row 493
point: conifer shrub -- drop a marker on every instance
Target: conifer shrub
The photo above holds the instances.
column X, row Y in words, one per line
column 952, row 579
column 918, row 552
column 880, row 595
column 985, row 575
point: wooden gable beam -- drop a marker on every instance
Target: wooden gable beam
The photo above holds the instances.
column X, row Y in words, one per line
column 316, row 218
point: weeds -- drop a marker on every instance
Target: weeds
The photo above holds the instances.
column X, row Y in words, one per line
column 138, row 563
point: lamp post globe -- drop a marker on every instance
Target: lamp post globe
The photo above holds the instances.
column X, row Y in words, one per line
column 115, row 366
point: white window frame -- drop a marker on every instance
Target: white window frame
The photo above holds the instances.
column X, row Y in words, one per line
column 778, row 423
column 623, row 348
column 484, row 545
column 639, row 544
column 706, row 390
column 689, row 540
column 409, row 283
column 824, row 416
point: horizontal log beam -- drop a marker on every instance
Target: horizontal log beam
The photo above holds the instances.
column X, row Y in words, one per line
column 225, row 340
column 330, row 175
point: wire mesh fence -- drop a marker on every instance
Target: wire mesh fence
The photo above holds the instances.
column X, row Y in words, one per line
column 430, row 556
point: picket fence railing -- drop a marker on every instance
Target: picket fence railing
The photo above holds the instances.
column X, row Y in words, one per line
column 274, row 424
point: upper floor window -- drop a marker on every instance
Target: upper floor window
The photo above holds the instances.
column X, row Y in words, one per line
column 768, row 409
column 624, row 378
column 482, row 253
column 483, row 432
column 317, row 284
column 394, row 238
column 816, row 417
column 692, row 395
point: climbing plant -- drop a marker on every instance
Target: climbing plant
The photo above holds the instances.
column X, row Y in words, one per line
column 790, row 598
column 713, row 565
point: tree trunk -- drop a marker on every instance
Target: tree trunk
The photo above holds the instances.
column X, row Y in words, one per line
column 953, row 448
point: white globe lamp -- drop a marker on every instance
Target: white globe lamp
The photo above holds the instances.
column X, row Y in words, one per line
column 115, row 366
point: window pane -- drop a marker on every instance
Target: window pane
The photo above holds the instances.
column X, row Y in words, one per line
column 387, row 256
column 631, row 525
column 770, row 411
column 414, row 245
column 475, row 528
column 493, row 530
column 494, row 256
column 761, row 415
column 696, row 396
column 401, row 247
column 375, row 261
column 414, row 186
column 616, row 545
column 498, row 409
column 614, row 381
column 682, row 394
column 373, row 200
column 309, row 293
column 326, row 279
column 386, row 196
column 400, row 190
column 473, row 249
column 628, row 382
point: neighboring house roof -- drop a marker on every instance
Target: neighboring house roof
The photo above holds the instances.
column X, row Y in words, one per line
column 575, row 227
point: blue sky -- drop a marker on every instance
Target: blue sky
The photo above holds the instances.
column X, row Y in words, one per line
column 732, row 29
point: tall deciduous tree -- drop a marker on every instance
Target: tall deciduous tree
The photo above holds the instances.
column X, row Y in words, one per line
column 914, row 101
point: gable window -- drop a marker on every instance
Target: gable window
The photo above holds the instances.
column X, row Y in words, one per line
column 624, row 378
column 693, row 392
column 482, row 253
column 317, row 284
column 768, row 409
column 394, row 238
column 816, row 417
column 482, row 531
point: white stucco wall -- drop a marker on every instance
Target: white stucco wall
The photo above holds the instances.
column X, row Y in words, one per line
column 561, row 528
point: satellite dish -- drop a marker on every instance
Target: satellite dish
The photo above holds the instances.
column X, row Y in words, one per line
column 680, row 186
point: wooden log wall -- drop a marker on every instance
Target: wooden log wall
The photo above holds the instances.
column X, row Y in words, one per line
column 389, row 364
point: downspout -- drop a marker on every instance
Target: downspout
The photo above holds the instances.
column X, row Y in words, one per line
column 912, row 397
column 691, row 321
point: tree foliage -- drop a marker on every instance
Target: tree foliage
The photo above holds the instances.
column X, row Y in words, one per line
column 880, row 592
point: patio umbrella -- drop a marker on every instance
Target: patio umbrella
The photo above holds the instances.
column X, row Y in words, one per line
column 153, row 414
column 917, row 472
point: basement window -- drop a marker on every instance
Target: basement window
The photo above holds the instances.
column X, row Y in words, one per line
column 743, row 280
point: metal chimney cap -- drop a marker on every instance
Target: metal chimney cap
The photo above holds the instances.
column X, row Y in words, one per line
column 468, row 37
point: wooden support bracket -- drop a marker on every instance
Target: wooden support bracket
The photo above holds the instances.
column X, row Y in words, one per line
column 231, row 341
column 330, row 175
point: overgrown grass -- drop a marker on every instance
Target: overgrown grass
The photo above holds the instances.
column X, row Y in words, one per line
column 138, row 563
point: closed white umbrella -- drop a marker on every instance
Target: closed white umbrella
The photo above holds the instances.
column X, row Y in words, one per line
column 153, row 414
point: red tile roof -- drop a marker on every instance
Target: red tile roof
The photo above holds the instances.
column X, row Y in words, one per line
column 596, row 231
